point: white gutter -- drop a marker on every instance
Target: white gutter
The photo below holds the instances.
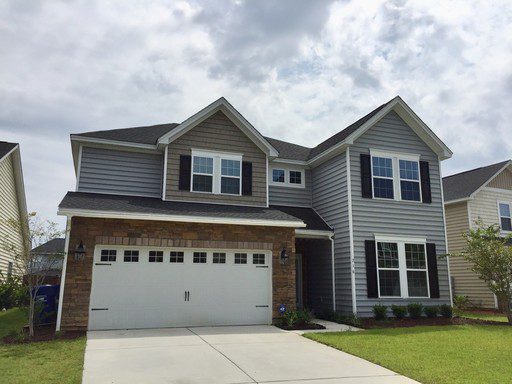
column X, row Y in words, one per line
column 63, row 275
column 180, row 218
column 307, row 233
column 351, row 235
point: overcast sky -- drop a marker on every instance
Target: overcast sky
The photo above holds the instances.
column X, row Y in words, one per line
column 298, row 70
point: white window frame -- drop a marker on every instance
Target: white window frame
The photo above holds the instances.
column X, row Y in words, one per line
column 507, row 217
column 395, row 163
column 287, row 170
column 402, row 264
column 217, row 171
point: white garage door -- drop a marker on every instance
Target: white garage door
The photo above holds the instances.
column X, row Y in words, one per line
column 135, row 287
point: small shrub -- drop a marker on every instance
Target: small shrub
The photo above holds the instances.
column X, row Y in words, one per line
column 304, row 316
column 460, row 304
column 431, row 312
column 399, row 311
column 12, row 292
column 415, row 310
column 446, row 311
column 380, row 312
column 291, row 318
column 352, row 320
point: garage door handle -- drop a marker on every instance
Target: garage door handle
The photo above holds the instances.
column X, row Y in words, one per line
column 187, row 295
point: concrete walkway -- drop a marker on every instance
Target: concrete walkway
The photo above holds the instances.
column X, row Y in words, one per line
column 224, row 355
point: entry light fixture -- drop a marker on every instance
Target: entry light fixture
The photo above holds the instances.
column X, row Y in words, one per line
column 283, row 257
column 80, row 251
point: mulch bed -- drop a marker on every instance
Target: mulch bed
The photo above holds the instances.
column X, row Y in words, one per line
column 300, row 327
column 43, row 333
column 404, row 323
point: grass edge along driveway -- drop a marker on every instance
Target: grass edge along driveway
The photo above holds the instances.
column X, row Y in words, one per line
column 433, row 354
column 57, row 361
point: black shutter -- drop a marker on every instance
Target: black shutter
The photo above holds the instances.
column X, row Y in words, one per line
column 185, row 168
column 246, row 178
column 371, row 268
column 366, row 176
column 425, row 182
column 433, row 278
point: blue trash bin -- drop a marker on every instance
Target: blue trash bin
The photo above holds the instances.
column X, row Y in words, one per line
column 47, row 301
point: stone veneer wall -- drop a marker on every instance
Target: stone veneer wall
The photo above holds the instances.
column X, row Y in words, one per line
column 92, row 231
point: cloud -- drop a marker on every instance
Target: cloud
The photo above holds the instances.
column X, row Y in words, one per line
column 298, row 70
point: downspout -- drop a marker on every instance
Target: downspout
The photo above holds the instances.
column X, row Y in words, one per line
column 351, row 235
column 331, row 237
column 63, row 275
column 446, row 235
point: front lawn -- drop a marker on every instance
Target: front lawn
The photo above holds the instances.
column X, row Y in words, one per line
column 435, row 354
column 57, row 361
column 482, row 315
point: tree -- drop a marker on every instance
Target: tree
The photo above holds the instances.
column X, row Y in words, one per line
column 32, row 266
column 490, row 256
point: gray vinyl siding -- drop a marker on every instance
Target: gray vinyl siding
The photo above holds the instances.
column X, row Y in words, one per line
column 329, row 191
column 298, row 197
column 372, row 216
column 318, row 275
column 217, row 133
column 120, row 172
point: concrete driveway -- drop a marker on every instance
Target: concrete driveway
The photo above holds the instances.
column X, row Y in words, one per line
column 234, row 355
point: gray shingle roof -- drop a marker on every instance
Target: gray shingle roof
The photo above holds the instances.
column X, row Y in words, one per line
column 150, row 135
column 309, row 216
column 50, row 247
column 141, row 135
column 6, row 147
column 462, row 185
column 151, row 205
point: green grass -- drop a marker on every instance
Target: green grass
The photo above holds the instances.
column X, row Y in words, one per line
column 436, row 354
column 485, row 316
column 58, row 361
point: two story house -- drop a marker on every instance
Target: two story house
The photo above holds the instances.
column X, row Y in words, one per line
column 13, row 207
column 484, row 194
column 208, row 222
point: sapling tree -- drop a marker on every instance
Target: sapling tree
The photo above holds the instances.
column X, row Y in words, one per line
column 490, row 256
column 32, row 266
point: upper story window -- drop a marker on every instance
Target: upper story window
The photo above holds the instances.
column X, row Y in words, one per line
column 395, row 176
column 505, row 210
column 217, row 173
column 287, row 177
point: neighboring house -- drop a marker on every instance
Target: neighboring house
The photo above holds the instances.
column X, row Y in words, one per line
column 13, row 205
column 208, row 222
column 484, row 193
column 46, row 261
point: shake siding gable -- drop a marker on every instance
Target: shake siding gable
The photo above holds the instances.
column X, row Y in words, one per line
column 9, row 209
column 217, row 133
column 329, row 189
column 120, row 172
column 372, row 216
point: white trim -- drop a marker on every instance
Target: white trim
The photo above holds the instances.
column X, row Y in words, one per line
column 311, row 233
column 457, row 200
column 388, row 238
column 63, row 275
column 85, row 139
column 164, row 178
column 351, row 234
column 216, row 175
column 401, row 155
column 266, row 181
column 180, row 218
column 287, row 169
column 333, row 275
column 291, row 162
column 223, row 105
column 470, row 218
column 79, row 167
column 446, row 236
column 498, row 202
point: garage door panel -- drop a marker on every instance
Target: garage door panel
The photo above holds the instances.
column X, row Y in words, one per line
column 147, row 294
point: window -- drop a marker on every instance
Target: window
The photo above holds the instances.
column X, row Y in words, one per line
column 131, row 256
column 409, row 180
column 382, row 169
column 176, row 257
column 402, row 268
column 505, row 217
column 202, row 178
column 395, row 176
column 199, row 257
column 219, row 258
column 156, row 256
column 295, row 177
column 108, row 255
column 278, row 175
column 240, row 258
column 258, row 258
column 230, row 177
